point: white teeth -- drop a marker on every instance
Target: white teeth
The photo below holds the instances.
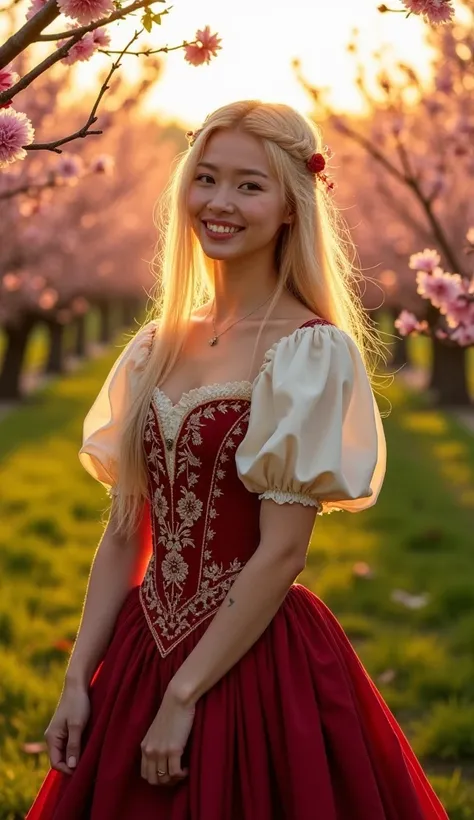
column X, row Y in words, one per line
column 220, row 228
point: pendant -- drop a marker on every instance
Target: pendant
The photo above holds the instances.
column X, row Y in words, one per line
column 213, row 341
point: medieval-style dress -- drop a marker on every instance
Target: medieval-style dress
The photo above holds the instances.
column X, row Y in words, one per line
column 296, row 730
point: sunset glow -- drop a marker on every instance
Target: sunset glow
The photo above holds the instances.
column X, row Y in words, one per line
column 259, row 41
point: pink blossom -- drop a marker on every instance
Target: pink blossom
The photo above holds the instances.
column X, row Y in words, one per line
column 8, row 77
column 101, row 37
column 48, row 299
column 103, row 164
column 80, row 305
column 427, row 261
column 16, row 131
column 69, row 166
column 86, row 11
column 206, row 47
column 458, row 311
column 80, row 51
column 439, row 287
column 444, row 81
column 35, row 7
column 433, row 11
column 464, row 335
column 11, row 282
column 406, row 323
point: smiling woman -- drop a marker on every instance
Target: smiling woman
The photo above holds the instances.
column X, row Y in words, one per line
column 218, row 688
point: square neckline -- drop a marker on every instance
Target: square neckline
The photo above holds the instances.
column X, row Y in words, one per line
column 212, row 391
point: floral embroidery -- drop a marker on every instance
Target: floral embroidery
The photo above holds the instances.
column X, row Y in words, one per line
column 184, row 583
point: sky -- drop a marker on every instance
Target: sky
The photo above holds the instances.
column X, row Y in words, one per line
column 260, row 38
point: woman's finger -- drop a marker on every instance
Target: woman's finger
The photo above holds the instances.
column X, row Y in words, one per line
column 174, row 766
column 73, row 748
column 56, row 753
column 161, row 765
column 151, row 774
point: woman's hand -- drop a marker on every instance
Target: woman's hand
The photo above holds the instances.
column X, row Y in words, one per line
column 165, row 740
column 63, row 735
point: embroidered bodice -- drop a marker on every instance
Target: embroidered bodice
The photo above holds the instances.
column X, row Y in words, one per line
column 205, row 525
column 306, row 431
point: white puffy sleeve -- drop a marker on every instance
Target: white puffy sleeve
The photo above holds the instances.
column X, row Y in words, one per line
column 315, row 435
column 99, row 453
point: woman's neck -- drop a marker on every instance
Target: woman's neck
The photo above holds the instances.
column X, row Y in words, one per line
column 241, row 287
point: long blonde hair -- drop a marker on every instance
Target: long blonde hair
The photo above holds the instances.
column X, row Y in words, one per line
column 315, row 262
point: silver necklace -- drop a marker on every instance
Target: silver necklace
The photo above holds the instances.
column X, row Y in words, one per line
column 216, row 336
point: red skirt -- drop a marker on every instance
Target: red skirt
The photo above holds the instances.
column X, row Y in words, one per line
column 296, row 731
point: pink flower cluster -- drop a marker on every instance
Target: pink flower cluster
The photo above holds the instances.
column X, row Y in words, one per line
column 450, row 293
column 86, row 46
column 206, row 46
column 433, row 11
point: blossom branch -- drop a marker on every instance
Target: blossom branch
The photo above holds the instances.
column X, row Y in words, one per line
column 28, row 33
column 116, row 15
column 85, row 130
column 26, row 36
column 148, row 52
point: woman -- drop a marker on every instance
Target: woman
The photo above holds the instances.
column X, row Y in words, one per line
column 205, row 684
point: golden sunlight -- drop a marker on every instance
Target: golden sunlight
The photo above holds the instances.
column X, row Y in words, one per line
column 260, row 38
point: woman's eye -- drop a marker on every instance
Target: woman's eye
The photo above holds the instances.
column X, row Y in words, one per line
column 255, row 186
column 203, row 177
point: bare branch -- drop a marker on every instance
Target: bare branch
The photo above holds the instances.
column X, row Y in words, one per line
column 85, row 130
column 28, row 34
column 75, row 35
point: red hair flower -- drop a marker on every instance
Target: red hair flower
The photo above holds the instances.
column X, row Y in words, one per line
column 316, row 163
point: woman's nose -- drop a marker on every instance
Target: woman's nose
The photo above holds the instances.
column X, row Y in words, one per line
column 220, row 200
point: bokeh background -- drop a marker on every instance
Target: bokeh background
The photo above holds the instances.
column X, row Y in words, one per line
column 394, row 97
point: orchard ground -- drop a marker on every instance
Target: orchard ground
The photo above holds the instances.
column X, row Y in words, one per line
column 418, row 538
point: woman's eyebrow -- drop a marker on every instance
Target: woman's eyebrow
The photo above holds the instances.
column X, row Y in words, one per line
column 241, row 171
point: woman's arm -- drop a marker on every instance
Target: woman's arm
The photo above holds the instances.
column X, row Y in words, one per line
column 114, row 572
column 252, row 601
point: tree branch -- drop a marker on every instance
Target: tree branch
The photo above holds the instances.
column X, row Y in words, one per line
column 85, row 130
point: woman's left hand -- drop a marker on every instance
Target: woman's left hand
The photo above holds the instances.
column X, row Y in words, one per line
column 165, row 740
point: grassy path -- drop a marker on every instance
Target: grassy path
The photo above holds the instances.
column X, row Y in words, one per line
column 418, row 539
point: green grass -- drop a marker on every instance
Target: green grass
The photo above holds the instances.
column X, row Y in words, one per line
column 418, row 538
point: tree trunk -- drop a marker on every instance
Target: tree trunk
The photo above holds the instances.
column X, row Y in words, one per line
column 128, row 312
column 399, row 349
column 448, row 376
column 80, row 341
column 105, row 320
column 17, row 338
column 55, row 361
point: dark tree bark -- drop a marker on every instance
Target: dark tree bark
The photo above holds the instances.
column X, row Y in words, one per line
column 449, row 375
column 55, row 362
column 105, row 322
column 17, row 338
column 80, row 341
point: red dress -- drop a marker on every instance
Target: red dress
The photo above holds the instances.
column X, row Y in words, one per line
column 296, row 730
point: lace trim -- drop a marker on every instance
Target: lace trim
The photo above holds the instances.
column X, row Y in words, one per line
column 281, row 497
column 171, row 416
column 195, row 397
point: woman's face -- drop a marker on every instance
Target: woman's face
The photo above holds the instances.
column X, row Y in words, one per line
column 235, row 203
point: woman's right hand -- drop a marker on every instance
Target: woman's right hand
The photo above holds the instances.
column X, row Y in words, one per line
column 63, row 735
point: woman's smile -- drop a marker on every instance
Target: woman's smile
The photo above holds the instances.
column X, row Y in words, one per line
column 220, row 230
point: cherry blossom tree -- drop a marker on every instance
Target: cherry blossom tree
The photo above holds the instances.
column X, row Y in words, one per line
column 85, row 245
column 419, row 139
column 84, row 32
